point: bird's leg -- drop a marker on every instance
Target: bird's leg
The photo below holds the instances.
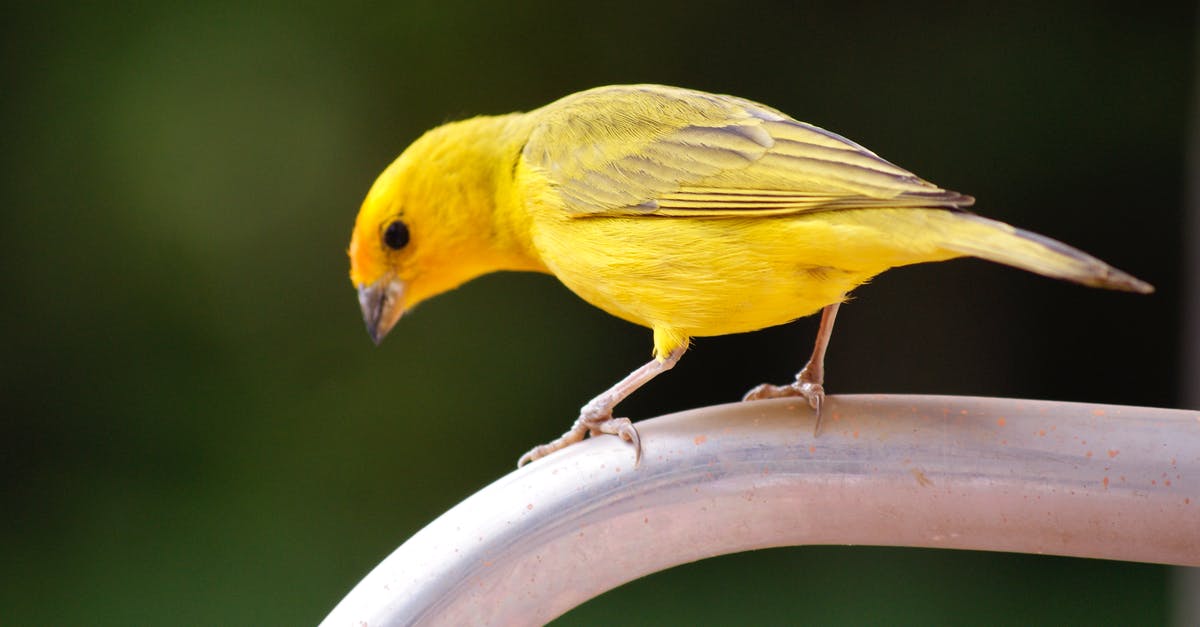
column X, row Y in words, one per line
column 596, row 417
column 810, row 381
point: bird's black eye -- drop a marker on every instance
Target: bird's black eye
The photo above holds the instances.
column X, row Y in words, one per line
column 396, row 235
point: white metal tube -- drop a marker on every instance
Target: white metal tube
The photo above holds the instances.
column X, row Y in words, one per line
column 1058, row 478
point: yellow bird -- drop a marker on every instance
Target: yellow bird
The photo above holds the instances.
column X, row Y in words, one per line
column 690, row 213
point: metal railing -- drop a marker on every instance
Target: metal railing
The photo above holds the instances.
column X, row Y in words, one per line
column 1058, row 478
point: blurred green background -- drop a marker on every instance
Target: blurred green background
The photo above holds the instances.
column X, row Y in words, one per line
column 197, row 430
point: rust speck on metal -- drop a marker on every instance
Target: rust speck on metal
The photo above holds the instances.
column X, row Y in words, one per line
column 922, row 480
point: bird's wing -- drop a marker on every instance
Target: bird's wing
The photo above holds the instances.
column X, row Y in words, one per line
column 653, row 150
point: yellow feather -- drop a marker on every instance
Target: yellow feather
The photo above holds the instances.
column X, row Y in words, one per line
column 690, row 213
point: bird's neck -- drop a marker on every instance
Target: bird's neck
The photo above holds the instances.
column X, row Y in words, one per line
column 474, row 161
column 499, row 141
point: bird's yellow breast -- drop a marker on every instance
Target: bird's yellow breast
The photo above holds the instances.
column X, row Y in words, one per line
column 687, row 277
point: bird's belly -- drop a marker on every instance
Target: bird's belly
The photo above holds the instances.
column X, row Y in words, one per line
column 698, row 307
column 706, row 277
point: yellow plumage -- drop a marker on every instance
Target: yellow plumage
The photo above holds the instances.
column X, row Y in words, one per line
column 689, row 213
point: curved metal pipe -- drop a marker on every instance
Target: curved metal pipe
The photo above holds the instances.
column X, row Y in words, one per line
column 1075, row 479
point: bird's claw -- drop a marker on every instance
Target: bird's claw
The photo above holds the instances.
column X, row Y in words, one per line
column 624, row 429
column 810, row 391
column 573, row 435
column 536, row 452
column 766, row 390
column 590, row 423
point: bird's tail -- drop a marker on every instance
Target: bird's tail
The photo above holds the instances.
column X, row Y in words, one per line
column 977, row 236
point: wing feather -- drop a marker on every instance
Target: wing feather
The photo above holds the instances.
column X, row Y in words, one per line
column 653, row 150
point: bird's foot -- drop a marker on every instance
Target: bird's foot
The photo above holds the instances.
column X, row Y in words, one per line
column 592, row 421
column 809, row 390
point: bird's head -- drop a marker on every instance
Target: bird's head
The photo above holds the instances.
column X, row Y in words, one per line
column 383, row 258
column 395, row 246
column 427, row 225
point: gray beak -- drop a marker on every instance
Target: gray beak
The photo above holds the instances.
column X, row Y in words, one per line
column 382, row 305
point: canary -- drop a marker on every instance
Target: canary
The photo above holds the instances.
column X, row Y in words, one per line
column 693, row 214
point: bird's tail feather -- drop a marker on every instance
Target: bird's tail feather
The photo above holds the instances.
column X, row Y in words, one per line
column 1002, row 243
